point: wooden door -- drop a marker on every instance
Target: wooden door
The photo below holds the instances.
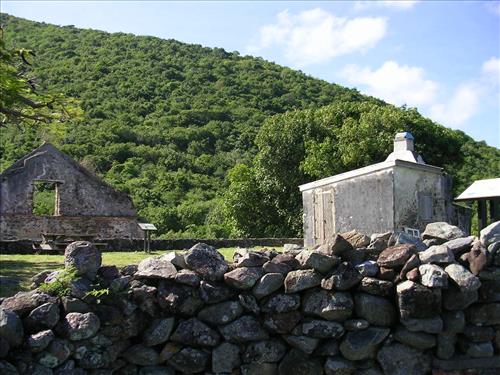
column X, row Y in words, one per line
column 324, row 223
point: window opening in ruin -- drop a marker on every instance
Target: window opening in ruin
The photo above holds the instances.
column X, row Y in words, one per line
column 45, row 198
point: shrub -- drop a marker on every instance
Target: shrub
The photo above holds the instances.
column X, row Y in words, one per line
column 61, row 286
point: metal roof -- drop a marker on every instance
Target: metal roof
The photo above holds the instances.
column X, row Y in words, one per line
column 481, row 189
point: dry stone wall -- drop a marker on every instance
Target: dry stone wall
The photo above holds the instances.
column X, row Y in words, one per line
column 385, row 304
column 121, row 244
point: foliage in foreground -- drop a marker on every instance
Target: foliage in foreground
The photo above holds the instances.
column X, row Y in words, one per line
column 21, row 100
column 61, row 285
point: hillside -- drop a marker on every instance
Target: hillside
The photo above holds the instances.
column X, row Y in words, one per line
column 165, row 121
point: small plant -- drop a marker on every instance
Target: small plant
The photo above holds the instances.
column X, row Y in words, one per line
column 97, row 293
column 61, row 285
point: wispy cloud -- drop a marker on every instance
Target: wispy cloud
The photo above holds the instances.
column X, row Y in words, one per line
column 491, row 69
column 469, row 97
column 490, row 80
column 460, row 107
column 316, row 36
column 402, row 84
column 493, row 7
column 397, row 84
column 394, row 4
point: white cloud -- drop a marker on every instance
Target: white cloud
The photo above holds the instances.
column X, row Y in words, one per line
column 493, row 7
column 397, row 84
column 490, row 79
column 402, row 84
column 458, row 109
column 400, row 5
column 491, row 68
column 316, row 36
column 470, row 96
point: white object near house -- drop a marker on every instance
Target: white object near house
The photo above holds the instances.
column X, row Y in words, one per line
column 401, row 193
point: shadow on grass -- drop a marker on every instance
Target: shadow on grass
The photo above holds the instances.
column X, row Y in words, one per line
column 16, row 274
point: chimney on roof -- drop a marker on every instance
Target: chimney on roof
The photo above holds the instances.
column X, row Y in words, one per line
column 404, row 149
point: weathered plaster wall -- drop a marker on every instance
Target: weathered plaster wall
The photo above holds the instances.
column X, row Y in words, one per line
column 409, row 186
column 308, row 217
column 376, row 199
column 365, row 203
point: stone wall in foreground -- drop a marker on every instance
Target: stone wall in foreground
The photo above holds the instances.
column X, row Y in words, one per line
column 385, row 304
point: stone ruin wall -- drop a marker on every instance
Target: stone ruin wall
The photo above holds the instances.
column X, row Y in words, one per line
column 83, row 203
column 389, row 304
column 16, row 229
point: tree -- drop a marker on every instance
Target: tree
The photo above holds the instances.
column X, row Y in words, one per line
column 246, row 205
column 20, row 99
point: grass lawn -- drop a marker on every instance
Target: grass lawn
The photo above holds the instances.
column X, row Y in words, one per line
column 16, row 270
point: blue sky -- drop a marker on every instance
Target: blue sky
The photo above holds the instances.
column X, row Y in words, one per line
column 440, row 57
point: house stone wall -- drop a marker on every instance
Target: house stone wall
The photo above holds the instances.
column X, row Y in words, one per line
column 28, row 227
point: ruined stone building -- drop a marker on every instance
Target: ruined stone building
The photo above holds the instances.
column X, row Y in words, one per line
column 401, row 193
column 81, row 203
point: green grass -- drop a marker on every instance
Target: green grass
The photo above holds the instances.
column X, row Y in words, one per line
column 20, row 268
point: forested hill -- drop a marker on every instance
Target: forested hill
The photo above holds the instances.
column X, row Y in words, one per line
column 163, row 120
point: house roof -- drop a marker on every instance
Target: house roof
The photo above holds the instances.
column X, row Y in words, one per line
column 368, row 170
column 481, row 189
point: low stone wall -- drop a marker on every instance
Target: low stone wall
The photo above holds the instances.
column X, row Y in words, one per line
column 187, row 243
column 26, row 247
column 386, row 304
column 29, row 227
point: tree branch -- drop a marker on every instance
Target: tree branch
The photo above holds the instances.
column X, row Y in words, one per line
column 12, row 112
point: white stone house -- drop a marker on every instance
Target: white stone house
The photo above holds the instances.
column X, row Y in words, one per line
column 401, row 193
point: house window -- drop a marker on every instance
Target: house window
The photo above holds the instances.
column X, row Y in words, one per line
column 45, row 198
column 425, row 207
